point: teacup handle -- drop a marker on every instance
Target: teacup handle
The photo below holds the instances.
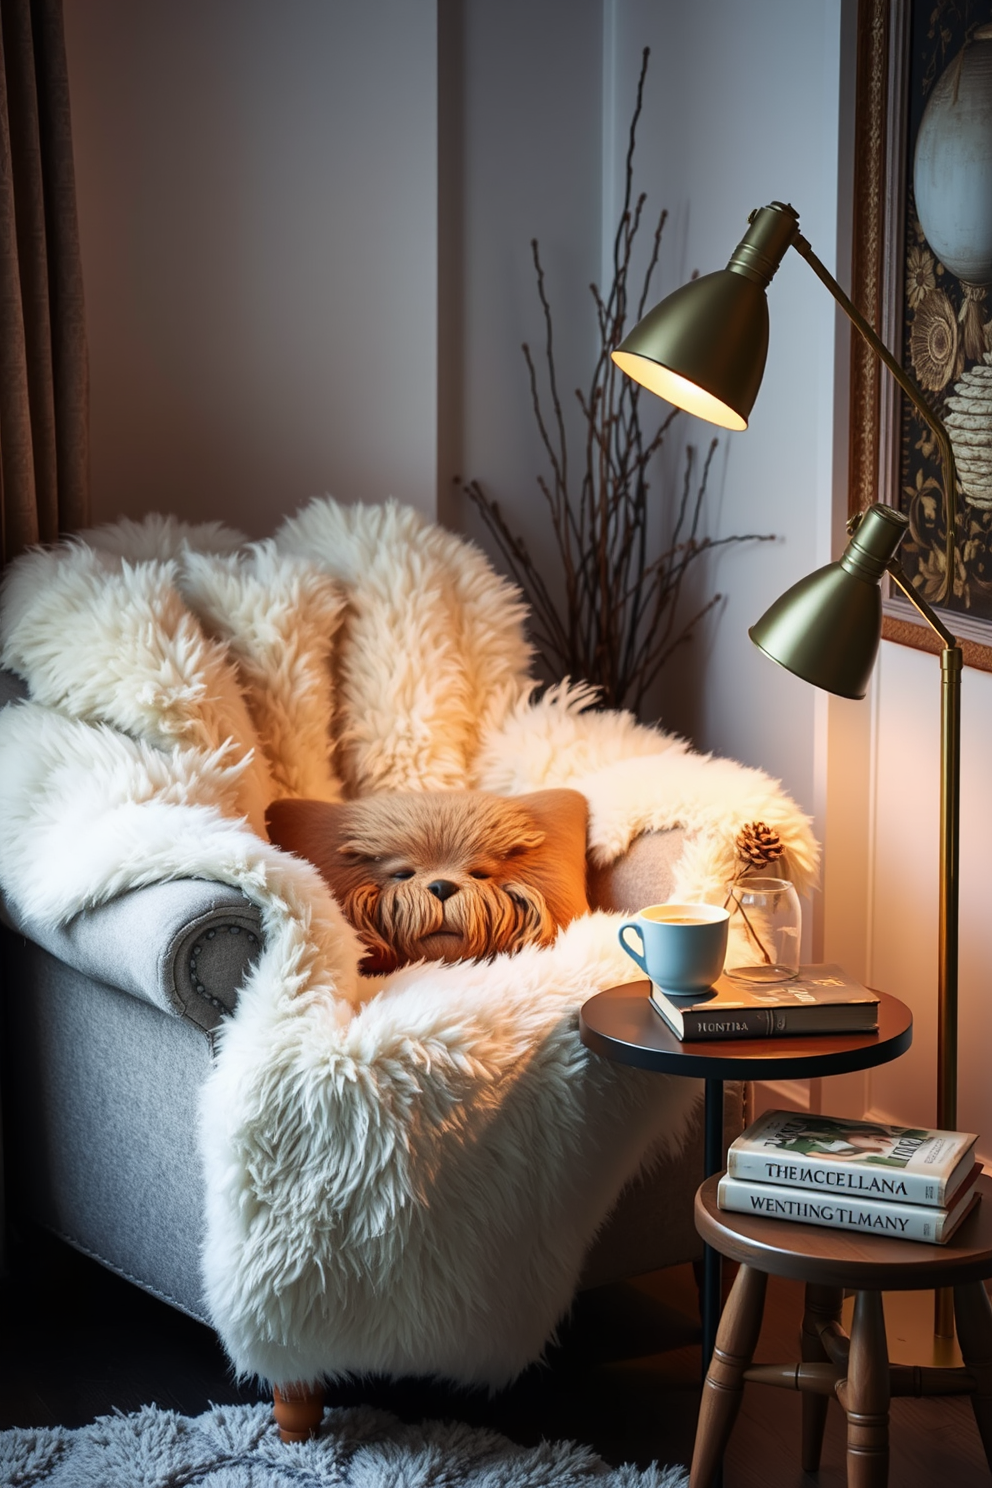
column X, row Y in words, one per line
column 634, row 955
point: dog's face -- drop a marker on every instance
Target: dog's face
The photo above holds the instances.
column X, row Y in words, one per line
column 441, row 876
column 445, row 875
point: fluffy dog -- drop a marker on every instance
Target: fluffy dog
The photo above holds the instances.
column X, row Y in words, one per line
column 447, row 875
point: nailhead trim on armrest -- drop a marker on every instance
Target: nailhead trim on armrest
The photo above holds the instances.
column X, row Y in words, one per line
column 210, row 934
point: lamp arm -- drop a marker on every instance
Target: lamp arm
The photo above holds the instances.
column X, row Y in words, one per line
column 914, row 395
column 919, row 604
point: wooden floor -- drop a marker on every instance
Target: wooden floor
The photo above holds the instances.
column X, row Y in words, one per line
column 76, row 1342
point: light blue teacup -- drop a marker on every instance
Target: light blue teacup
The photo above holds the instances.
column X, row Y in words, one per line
column 683, row 946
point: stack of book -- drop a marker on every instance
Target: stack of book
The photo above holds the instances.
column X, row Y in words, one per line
column 901, row 1181
column 821, row 999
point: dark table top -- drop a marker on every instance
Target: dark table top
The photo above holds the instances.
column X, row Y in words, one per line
column 622, row 1025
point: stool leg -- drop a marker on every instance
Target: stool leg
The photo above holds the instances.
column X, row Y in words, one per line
column 736, row 1339
column 866, row 1396
column 823, row 1305
column 973, row 1315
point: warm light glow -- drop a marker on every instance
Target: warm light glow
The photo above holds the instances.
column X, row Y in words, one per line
column 678, row 390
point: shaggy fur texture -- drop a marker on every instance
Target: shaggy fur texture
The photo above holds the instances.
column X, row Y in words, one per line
column 238, row 1446
column 433, row 652
column 637, row 779
column 443, row 875
column 402, row 1173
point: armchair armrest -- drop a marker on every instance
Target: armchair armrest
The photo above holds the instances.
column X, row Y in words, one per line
column 184, row 946
column 643, row 875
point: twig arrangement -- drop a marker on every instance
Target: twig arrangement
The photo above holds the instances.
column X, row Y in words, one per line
column 619, row 617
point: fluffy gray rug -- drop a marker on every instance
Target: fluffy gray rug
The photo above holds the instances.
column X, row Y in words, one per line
column 238, row 1446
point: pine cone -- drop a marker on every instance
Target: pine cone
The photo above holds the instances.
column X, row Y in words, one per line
column 758, row 845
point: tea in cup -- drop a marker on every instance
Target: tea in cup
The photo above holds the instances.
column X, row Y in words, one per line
column 683, row 946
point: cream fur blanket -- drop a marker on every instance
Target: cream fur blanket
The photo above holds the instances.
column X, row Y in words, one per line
column 402, row 1174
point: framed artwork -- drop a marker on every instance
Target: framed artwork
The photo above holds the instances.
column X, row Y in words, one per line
column 922, row 274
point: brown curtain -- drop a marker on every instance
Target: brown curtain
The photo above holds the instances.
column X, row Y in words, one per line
column 44, row 381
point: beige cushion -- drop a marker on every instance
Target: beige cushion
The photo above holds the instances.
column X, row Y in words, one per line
column 644, row 875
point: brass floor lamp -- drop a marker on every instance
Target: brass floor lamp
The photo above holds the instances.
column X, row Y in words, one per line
column 703, row 348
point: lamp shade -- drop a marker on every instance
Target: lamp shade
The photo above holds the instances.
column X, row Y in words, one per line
column 826, row 628
column 703, row 348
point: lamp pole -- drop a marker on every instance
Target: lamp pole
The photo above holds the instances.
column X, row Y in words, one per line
column 951, row 662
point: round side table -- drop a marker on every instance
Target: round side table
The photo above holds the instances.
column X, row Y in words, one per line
column 622, row 1025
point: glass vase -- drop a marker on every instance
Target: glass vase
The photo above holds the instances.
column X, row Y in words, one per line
column 766, row 918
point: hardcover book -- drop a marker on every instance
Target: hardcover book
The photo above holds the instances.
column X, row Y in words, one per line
column 839, row 1211
column 865, row 1159
column 821, row 999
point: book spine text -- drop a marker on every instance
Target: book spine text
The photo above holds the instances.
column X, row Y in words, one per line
column 838, row 1178
column 898, row 1221
column 766, row 1022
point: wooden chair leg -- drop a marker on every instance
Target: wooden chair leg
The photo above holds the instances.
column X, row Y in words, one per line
column 299, row 1410
column 865, row 1395
column 823, row 1305
column 973, row 1315
column 736, row 1340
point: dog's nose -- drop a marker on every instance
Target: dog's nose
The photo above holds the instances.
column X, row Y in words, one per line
column 442, row 888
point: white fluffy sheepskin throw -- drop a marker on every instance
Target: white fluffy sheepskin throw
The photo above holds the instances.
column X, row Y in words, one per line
column 402, row 1174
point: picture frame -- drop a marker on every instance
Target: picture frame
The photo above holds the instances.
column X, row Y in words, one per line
column 904, row 49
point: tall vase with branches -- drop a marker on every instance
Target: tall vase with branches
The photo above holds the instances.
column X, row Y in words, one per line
column 618, row 615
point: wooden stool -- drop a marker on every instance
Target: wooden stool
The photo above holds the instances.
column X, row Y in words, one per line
column 856, row 1370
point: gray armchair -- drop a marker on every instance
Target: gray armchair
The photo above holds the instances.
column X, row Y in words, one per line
column 113, row 1000
column 108, row 1033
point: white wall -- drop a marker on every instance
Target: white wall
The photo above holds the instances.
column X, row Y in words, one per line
column 528, row 111
column 258, row 209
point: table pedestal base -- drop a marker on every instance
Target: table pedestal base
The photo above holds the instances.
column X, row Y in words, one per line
column 713, row 1162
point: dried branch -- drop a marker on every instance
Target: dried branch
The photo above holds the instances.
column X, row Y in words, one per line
column 620, row 614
